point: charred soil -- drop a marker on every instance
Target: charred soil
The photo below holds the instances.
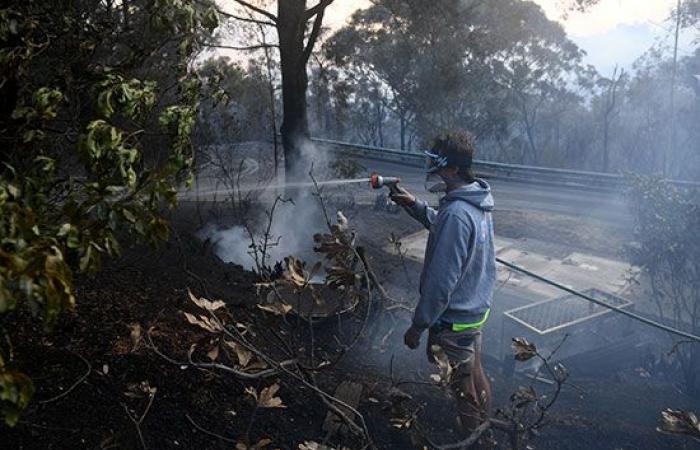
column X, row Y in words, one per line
column 96, row 377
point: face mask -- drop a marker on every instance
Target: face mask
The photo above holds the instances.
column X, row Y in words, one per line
column 437, row 183
column 434, row 183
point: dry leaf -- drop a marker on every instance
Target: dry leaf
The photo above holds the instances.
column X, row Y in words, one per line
column 402, row 423
column 204, row 303
column 278, row 309
column 262, row 443
column 257, row 365
column 523, row 349
column 523, row 396
column 252, row 392
column 213, row 353
column 203, row 322
column 443, row 363
column 243, row 354
column 294, row 273
column 679, row 422
column 313, row 445
column 135, row 335
column 267, row 398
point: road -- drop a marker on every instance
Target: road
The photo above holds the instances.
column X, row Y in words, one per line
column 519, row 196
column 510, row 195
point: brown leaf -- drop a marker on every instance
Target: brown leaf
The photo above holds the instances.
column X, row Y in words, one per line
column 294, row 273
column 679, row 422
column 312, row 445
column 443, row 364
column 257, row 365
column 213, row 353
column 267, row 397
column 278, row 309
column 337, row 276
column 523, row 396
column 252, row 392
column 204, row 303
column 203, row 322
column 135, row 335
column 262, row 443
column 523, row 349
column 242, row 354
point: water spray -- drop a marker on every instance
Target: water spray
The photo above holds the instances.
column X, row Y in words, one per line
column 377, row 182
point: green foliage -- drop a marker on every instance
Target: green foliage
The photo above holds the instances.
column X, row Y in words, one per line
column 96, row 141
column 668, row 251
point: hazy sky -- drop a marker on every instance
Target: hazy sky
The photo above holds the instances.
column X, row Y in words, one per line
column 613, row 32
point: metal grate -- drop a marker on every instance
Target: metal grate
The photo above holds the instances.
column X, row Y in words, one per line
column 555, row 314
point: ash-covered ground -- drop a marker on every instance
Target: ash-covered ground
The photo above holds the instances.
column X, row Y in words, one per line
column 98, row 359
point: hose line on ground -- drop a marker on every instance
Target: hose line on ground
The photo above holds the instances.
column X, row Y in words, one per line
column 617, row 309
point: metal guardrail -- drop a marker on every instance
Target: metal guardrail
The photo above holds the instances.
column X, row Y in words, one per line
column 580, row 179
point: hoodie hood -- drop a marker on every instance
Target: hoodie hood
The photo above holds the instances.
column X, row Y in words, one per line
column 477, row 193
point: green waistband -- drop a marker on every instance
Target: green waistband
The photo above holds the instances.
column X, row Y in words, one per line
column 467, row 326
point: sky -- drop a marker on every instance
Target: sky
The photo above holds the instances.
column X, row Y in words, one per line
column 614, row 32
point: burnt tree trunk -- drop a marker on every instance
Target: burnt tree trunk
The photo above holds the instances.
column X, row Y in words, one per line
column 291, row 27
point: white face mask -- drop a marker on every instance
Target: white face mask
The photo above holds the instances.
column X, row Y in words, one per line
column 434, row 183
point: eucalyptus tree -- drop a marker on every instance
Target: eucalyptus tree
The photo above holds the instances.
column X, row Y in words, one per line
column 489, row 67
column 298, row 26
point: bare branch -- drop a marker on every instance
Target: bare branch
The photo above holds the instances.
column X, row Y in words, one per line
column 470, row 440
column 244, row 48
column 257, row 9
column 319, row 8
column 74, row 385
column 313, row 37
column 210, row 433
column 246, row 19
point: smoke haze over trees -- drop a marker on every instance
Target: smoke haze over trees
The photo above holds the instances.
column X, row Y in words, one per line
column 402, row 70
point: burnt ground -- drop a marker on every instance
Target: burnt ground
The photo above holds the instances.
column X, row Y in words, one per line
column 91, row 372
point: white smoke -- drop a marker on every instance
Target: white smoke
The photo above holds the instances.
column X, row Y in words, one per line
column 292, row 229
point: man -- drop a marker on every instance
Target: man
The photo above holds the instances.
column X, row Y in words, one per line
column 459, row 271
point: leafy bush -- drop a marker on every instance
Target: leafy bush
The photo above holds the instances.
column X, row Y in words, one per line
column 98, row 106
column 668, row 251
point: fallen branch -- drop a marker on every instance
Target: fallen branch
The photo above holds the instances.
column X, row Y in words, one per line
column 210, row 433
column 74, row 385
column 137, row 422
column 201, row 365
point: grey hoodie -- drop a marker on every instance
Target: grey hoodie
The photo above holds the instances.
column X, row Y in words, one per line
column 459, row 271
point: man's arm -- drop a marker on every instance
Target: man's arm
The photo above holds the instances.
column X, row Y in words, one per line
column 418, row 209
column 443, row 271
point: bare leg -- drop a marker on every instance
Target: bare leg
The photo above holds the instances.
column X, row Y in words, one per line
column 473, row 392
column 482, row 387
column 468, row 406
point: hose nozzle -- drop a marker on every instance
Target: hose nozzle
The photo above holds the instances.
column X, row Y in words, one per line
column 378, row 181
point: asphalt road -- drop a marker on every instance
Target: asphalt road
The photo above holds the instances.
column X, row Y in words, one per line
column 520, row 196
column 509, row 195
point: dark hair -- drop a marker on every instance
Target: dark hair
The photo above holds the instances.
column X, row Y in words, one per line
column 458, row 147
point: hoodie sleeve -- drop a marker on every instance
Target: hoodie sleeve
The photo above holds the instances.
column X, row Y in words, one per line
column 422, row 213
column 444, row 270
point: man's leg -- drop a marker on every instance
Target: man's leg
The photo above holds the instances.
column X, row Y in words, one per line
column 468, row 406
column 482, row 386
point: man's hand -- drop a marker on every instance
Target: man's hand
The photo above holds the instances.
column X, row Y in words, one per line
column 412, row 337
column 402, row 197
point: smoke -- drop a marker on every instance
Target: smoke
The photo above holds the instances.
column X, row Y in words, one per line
column 292, row 226
column 230, row 244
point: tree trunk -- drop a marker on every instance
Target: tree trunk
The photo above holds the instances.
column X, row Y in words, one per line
column 296, row 138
